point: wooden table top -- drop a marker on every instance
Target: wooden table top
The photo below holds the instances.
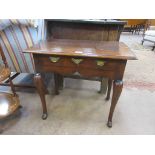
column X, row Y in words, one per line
column 83, row 48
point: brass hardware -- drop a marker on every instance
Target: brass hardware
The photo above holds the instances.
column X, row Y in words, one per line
column 100, row 63
column 77, row 61
column 77, row 73
column 54, row 59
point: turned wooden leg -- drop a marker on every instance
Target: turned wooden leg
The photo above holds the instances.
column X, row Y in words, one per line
column 109, row 89
column 56, row 81
column 117, row 89
column 41, row 91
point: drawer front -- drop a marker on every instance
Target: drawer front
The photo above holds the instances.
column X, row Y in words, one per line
column 87, row 67
column 100, row 64
column 48, row 63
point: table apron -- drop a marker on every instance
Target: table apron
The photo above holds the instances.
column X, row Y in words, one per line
column 86, row 67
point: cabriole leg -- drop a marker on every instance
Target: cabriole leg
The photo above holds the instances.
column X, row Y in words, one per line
column 117, row 89
column 41, row 91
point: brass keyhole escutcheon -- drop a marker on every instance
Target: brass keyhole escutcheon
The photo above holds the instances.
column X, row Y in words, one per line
column 77, row 61
column 100, row 63
column 54, row 59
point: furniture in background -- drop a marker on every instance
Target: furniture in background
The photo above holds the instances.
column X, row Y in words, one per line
column 88, row 29
column 85, row 58
column 135, row 26
column 140, row 28
column 15, row 36
column 149, row 35
column 9, row 102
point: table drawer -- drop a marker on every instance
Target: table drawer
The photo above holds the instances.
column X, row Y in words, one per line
column 45, row 61
column 101, row 64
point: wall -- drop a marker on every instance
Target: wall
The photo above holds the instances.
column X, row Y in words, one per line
column 135, row 21
column 152, row 22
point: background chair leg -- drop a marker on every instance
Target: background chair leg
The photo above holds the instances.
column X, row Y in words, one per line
column 12, row 86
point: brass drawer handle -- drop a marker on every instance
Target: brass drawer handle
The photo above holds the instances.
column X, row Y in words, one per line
column 100, row 63
column 77, row 61
column 54, row 59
